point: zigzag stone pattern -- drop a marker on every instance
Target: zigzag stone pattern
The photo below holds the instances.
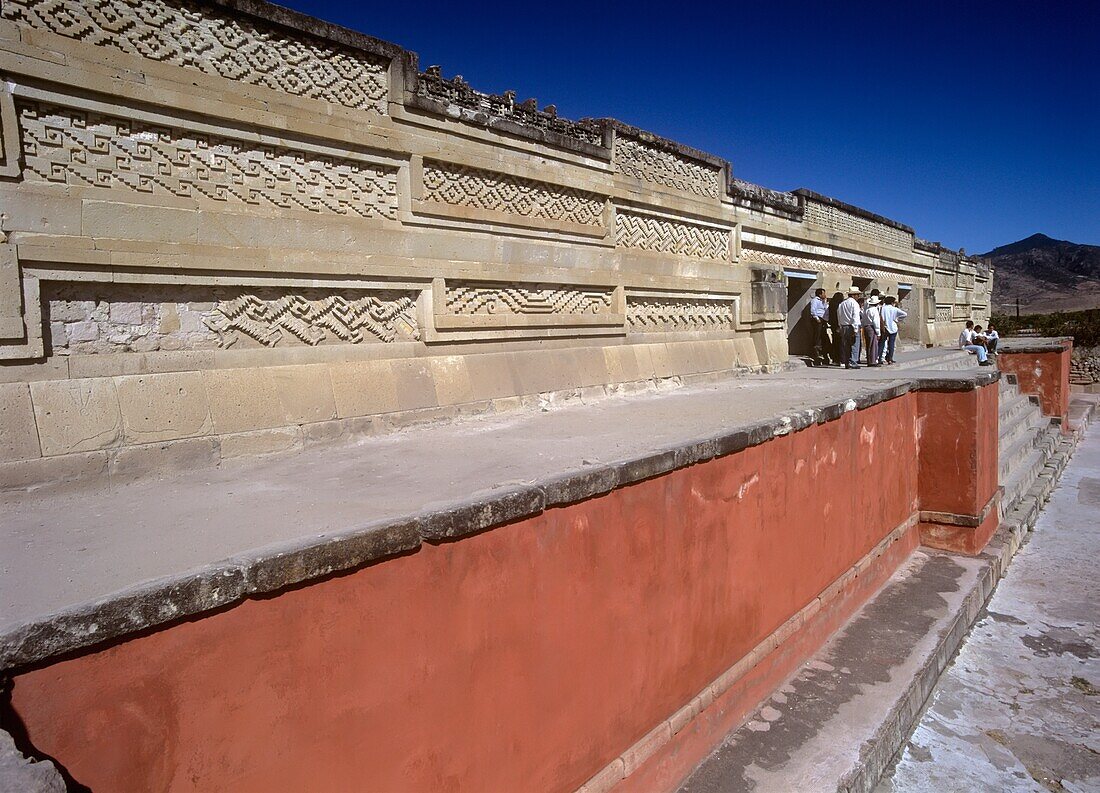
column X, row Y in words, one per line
column 668, row 236
column 781, row 260
column 838, row 220
column 76, row 147
column 460, row 185
column 664, row 314
column 651, row 164
column 197, row 36
column 311, row 319
column 544, row 299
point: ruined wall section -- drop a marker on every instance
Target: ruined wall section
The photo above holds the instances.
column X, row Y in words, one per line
column 189, row 187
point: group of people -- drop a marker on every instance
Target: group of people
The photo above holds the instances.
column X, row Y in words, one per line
column 856, row 324
column 982, row 343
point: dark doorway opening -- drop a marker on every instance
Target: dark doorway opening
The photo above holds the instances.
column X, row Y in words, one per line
column 800, row 337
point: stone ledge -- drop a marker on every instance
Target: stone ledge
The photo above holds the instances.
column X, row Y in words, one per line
column 269, row 569
column 1022, row 344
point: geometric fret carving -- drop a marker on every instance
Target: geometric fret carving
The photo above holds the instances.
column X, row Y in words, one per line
column 528, row 300
column 69, row 146
column 651, row 164
column 664, row 314
column 668, row 236
column 836, row 219
column 312, row 321
column 199, row 36
column 460, row 185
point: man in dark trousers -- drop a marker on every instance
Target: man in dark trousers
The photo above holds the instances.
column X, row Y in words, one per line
column 819, row 322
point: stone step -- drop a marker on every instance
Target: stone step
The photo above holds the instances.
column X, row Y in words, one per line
column 840, row 719
column 1012, row 408
column 1025, row 421
column 1022, row 478
column 1014, row 454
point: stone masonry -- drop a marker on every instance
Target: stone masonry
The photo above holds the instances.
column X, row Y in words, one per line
column 209, row 195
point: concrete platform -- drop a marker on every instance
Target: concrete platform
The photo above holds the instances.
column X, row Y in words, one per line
column 81, row 566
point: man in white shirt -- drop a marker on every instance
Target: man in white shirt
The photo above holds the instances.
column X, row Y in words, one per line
column 819, row 319
column 891, row 316
column 848, row 317
column 871, row 321
column 993, row 338
column 967, row 342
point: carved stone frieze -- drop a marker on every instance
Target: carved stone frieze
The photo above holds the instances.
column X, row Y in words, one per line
column 661, row 235
column 836, row 219
column 199, row 36
column 657, row 313
column 88, row 317
column 312, row 320
column 783, row 260
column 459, row 185
column 77, row 147
column 650, row 164
column 547, row 299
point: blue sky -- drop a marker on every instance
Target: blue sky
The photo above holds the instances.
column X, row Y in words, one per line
column 976, row 123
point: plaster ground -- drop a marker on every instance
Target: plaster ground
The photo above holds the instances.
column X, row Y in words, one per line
column 1019, row 710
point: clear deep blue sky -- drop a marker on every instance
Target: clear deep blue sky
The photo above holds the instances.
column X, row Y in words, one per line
column 976, row 123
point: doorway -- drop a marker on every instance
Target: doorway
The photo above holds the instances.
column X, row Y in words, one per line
column 800, row 288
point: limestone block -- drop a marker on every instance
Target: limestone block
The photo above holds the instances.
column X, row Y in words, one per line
column 364, row 388
column 249, row 444
column 646, row 364
column 304, row 392
column 131, row 463
column 81, row 469
column 452, row 379
column 242, row 400
column 18, row 435
column 161, row 407
column 591, row 366
column 76, row 415
column 11, row 294
column 622, row 363
column 533, row 372
column 491, row 377
column 415, row 384
column 137, row 222
column 25, row 210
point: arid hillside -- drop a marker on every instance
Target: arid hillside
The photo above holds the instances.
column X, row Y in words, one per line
column 1047, row 275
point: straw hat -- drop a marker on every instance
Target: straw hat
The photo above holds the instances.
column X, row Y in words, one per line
column 855, row 290
column 874, row 301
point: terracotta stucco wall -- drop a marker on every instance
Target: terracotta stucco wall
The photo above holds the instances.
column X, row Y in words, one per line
column 1043, row 374
column 524, row 657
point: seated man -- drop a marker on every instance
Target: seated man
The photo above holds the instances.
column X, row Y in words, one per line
column 992, row 338
column 968, row 342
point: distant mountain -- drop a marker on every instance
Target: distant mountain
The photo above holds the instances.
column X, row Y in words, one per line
column 1046, row 274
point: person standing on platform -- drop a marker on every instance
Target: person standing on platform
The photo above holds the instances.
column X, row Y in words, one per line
column 891, row 316
column 834, row 325
column 848, row 317
column 871, row 320
column 819, row 319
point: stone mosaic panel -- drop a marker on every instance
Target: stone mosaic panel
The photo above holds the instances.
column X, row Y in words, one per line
column 459, row 185
column 651, row 164
column 549, row 299
column 943, row 313
column 646, row 233
column 198, row 36
column 110, row 318
column 838, row 220
column 76, row 147
column 648, row 314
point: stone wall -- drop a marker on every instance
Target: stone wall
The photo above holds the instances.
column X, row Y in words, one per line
column 195, row 186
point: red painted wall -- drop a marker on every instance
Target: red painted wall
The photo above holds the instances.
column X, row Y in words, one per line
column 522, row 658
column 1042, row 374
column 959, row 467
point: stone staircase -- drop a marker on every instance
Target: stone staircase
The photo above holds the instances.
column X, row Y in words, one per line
column 1028, row 439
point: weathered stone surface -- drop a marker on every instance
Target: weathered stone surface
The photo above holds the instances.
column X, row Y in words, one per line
column 20, row 774
column 18, row 436
column 163, row 407
column 77, row 415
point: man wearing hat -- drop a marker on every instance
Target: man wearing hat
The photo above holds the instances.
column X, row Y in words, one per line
column 872, row 323
column 849, row 317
